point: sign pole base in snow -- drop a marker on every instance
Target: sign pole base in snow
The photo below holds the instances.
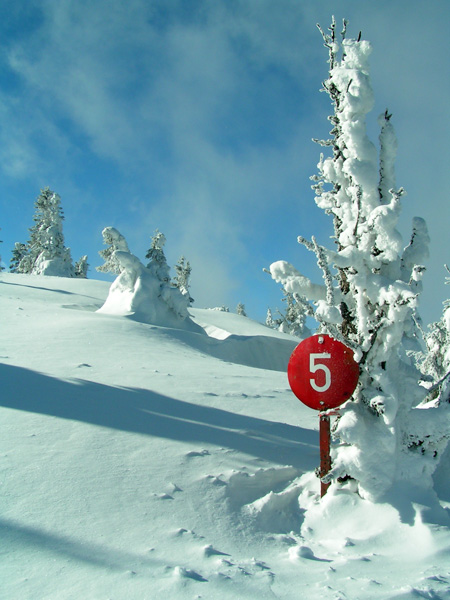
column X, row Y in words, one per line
column 323, row 374
column 325, row 458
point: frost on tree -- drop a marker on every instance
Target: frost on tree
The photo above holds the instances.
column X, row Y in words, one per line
column 46, row 253
column 139, row 292
column 115, row 241
column 369, row 295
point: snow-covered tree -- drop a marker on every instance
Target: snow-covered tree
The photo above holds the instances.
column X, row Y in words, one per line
column 371, row 286
column 1, row 268
column 240, row 309
column 46, row 253
column 182, row 276
column 115, row 242
column 19, row 253
column 157, row 260
column 269, row 319
column 434, row 362
column 139, row 292
column 293, row 320
column 81, row 267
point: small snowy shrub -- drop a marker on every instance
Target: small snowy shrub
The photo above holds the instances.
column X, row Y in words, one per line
column 371, row 286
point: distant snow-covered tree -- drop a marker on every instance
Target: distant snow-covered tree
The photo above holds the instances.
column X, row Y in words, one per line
column 370, row 289
column 1, row 267
column 157, row 260
column 115, row 242
column 182, row 276
column 19, row 252
column 240, row 309
column 46, row 253
column 434, row 362
column 293, row 320
column 140, row 293
column 269, row 319
column 81, row 267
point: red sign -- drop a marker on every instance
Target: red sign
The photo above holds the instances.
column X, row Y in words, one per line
column 322, row 372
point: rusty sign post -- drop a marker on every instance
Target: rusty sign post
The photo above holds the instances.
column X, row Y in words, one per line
column 323, row 374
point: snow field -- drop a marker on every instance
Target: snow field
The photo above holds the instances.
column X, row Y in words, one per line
column 140, row 462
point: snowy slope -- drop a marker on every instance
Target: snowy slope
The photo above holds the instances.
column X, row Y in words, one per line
column 139, row 462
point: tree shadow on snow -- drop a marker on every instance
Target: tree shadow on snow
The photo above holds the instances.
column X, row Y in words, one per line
column 149, row 413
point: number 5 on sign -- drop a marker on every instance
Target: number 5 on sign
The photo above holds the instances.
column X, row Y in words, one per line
column 319, row 366
column 322, row 372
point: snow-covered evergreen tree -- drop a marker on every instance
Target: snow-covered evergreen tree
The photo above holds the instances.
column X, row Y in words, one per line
column 434, row 362
column 269, row 319
column 46, row 253
column 115, row 242
column 138, row 291
column 293, row 320
column 1, row 268
column 18, row 254
column 240, row 309
column 182, row 276
column 370, row 292
column 81, row 267
column 157, row 260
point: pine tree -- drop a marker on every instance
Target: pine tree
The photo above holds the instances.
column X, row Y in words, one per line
column 46, row 253
column 371, row 285
column 269, row 319
column 81, row 267
column 240, row 310
column 157, row 261
column 182, row 276
column 115, row 241
column 434, row 362
column 19, row 253
column 1, row 268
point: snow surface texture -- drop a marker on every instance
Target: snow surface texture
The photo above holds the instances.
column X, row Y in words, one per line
column 144, row 462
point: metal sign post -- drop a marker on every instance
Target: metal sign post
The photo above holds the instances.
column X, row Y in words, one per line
column 323, row 374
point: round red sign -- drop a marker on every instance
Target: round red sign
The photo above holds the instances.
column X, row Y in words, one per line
column 322, row 372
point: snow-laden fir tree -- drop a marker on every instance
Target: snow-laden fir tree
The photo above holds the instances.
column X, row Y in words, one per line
column 46, row 253
column 269, row 319
column 434, row 362
column 157, row 260
column 81, row 267
column 139, row 292
column 115, row 242
column 240, row 309
column 18, row 258
column 182, row 275
column 371, row 286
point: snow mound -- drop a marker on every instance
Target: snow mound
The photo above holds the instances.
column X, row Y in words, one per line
column 138, row 293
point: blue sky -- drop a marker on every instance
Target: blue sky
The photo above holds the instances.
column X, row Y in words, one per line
column 196, row 117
